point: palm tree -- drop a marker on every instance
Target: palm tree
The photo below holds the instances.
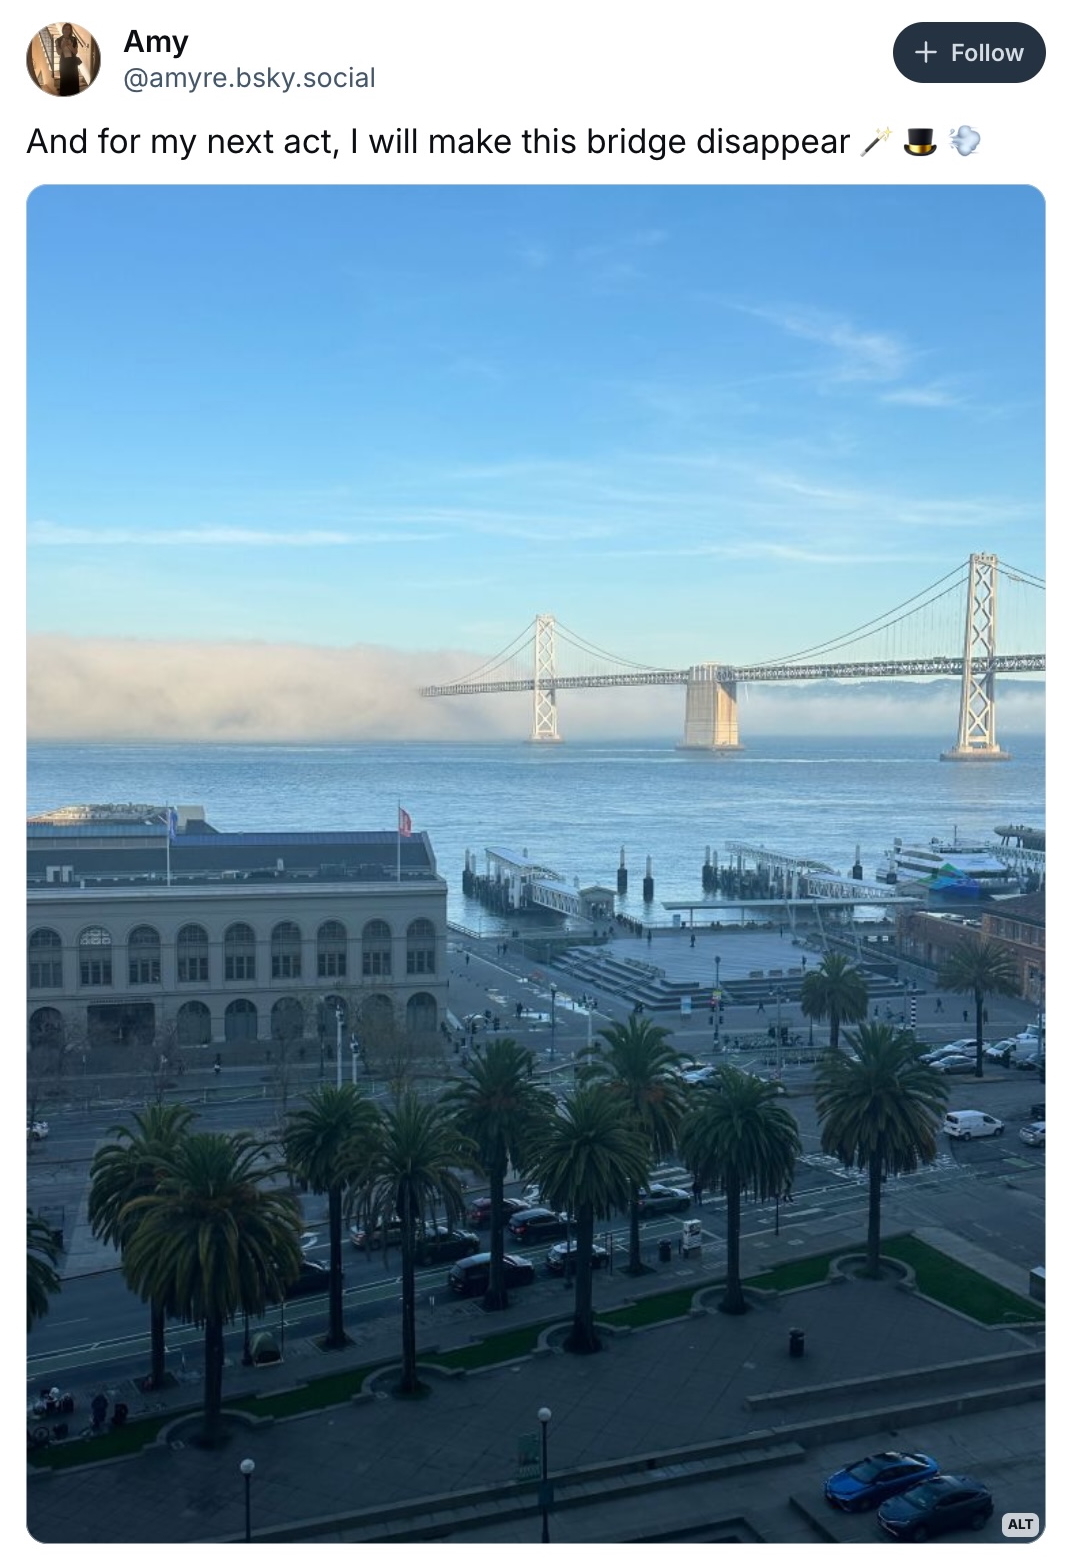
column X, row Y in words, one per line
column 212, row 1240
column 879, row 1107
column 836, row 992
column 120, row 1173
column 41, row 1276
column 741, row 1139
column 498, row 1106
column 412, row 1173
column 323, row 1143
column 640, row 1070
column 590, row 1157
column 980, row 967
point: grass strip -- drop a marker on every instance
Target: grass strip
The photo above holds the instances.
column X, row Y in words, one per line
column 494, row 1349
column 956, row 1285
column 654, row 1310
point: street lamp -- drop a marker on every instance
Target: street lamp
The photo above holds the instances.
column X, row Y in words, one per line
column 544, row 1495
column 716, row 1011
column 339, row 1043
column 247, row 1469
column 552, row 1050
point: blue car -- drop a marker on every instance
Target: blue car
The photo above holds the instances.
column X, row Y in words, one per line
column 876, row 1478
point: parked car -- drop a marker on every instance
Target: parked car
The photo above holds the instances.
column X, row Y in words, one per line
column 873, row 1479
column 663, row 1200
column 967, row 1046
column 440, row 1244
column 942, row 1503
column 970, row 1124
column 37, row 1129
column 1030, row 1061
column 562, row 1258
column 529, row 1227
column 1032, row 1134
column 954, row 1064
column 312, row 1277
column 698, row 1076
column 471, row 1275
column 375, row 1240
column 479, row 1212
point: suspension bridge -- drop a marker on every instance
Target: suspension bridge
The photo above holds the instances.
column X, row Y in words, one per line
column 956, row 616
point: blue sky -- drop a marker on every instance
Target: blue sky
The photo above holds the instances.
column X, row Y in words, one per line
column 694, row 423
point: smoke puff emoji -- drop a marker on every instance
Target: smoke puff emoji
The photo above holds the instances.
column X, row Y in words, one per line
column 965, row 140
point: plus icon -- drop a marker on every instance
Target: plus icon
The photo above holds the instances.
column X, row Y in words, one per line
column 926, row 51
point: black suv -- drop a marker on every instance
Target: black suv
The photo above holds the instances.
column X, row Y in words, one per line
column 530, row 1227
column 471, row 1275
column 440, row 1244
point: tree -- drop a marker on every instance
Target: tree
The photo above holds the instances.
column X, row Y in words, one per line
column 324, row 1143
column 412, row 1172
column 742, row 1140
column 590, row 1156
column 212, row 1240
column 640, row 1070
column 879, row 1107
column 500, row 1109
column 42, row 1278
column 980, row 967
column 836, row 992
column 131, row 1166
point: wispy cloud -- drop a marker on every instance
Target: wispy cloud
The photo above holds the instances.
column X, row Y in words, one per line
column 856, row 353
column 934, row 396
column 45, row 534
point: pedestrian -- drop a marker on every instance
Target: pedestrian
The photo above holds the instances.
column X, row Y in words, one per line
column 467, row 958
column 693, row 941
column 649, row 936
column 965, row 1017
column 760, row 1008
column 939, row 1007
column 698, row 1190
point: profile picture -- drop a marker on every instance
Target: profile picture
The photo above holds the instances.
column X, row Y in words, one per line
column 63, row 59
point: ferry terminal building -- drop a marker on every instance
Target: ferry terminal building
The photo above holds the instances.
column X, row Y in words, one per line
column 146, row 923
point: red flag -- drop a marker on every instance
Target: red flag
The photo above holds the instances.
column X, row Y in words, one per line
column 405, row 823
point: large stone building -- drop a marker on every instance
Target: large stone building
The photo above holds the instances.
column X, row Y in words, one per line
column 1017, row 923
column 147, row 923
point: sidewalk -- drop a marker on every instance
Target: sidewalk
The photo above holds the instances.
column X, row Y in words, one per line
column 681, row 1384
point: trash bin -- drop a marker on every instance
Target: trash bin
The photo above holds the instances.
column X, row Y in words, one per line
column 797, row 1343
column 664, row 1250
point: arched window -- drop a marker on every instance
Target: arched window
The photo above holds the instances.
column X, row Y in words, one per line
column 288, row 1021
column 192, row 954
column 286, row 951
column 420, row 948
column 331, row 950
column 377, row 949
column 240, row 1022
column 46, row 1028
column 421, row 1013
column 143, row 956
column 95, row 958
column 240, row 953
column 46, row 959
column 193, row 1024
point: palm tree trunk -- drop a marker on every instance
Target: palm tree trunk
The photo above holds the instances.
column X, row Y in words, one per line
column 583, row 1333
column 496, row 1295
column 157, row 1324
column 214, row 1382
column 734, row 1301
column 833, row 1030
column 872, row 1248
column 634, row 1265
column 337, row 1336
column 978, row 1007
column 409, row 1384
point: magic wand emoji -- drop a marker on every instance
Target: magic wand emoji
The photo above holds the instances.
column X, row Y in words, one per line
column 881, row 135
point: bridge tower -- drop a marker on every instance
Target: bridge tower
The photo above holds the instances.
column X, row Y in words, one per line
column 545, row 718
column 711, row 710
column 977, row 710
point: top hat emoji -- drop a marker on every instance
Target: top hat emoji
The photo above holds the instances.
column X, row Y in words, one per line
column 920, row 143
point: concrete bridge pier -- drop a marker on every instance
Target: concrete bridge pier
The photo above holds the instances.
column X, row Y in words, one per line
column 711, row 711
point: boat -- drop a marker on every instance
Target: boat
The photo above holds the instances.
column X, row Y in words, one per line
column 952, row 868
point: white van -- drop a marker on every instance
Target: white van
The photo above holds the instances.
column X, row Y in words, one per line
column 1016, row 1050
column 969, row 1124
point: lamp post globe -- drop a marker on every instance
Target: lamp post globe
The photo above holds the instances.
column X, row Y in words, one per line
column 247, row 1467
column 544, row 1417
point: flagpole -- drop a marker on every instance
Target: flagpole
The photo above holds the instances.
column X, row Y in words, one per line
column 398, row 842
column 167, row 844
